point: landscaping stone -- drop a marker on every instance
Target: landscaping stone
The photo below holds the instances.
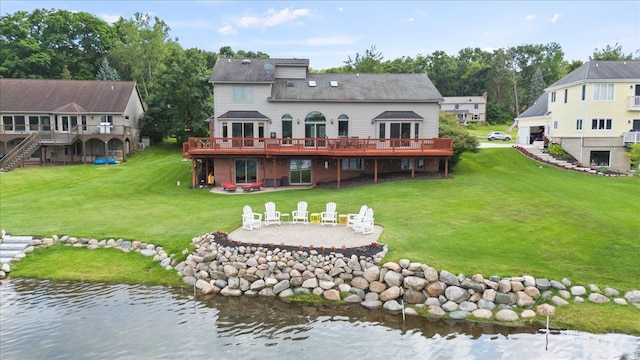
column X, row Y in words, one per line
column 266, row 271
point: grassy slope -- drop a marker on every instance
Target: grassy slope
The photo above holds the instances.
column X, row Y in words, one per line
column 501, row 213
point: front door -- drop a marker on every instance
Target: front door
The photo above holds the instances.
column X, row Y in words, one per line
column 300, row 172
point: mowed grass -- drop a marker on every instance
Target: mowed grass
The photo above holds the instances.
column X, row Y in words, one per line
column 481, row 131
column 500, row 213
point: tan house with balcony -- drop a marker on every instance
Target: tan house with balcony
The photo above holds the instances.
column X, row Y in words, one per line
column 593, row 113
column 67, row 121
column 275, row 122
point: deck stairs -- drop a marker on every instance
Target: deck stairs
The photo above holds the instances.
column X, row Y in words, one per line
column 12, row 247
column 20, row 152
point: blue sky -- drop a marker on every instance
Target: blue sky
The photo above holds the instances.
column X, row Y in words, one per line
column 328, row 32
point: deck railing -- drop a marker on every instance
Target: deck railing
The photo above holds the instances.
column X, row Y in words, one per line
column 318, row 146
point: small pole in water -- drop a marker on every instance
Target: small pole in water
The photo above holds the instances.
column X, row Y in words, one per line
column 546, row 345
column 403, row 317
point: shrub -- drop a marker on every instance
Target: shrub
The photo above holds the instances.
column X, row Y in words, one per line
column 556, row 150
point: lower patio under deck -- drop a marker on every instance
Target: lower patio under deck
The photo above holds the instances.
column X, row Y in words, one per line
column 329, row 152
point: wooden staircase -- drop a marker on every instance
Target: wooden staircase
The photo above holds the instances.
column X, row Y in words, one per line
column 20, row 152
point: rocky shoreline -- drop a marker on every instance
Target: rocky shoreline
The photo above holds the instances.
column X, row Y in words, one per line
column 221, row 266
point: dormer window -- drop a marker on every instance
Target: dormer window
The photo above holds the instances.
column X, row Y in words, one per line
column 312, row 83
column 333, row 83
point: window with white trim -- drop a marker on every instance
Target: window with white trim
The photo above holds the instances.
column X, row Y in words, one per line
column 601, row 124
column 603, row 92
column 553, row 96
column 578, row 124
column 600, row 158
column 555, row 125
column 566, row 95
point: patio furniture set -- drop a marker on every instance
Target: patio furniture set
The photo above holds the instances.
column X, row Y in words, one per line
column 362, row 222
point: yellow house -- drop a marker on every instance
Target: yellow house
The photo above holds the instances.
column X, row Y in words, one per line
column 593, row 113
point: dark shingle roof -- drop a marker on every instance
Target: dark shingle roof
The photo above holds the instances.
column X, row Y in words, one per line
column 390, row 115
column 358, row 88
column 602, row 70
column 68, row 96
column 242, row 115
column 250, row 70
column 539, row 108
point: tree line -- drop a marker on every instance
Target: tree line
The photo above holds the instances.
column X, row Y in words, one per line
column 173, row 82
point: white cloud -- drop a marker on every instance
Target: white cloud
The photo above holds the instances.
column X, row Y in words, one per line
column 227, row 30
column 110, row 18
column 340, row 9
column 530, row 17
column 273, row 18
column 555, row 18
column 410, row 20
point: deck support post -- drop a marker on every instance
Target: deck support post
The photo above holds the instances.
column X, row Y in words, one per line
column 338, row 170
column 194, row 173
column 375, row 170
column 274, row 172
column 446, row 168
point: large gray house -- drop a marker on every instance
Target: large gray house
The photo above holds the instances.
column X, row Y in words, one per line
column 276, row 122
column 67, row 121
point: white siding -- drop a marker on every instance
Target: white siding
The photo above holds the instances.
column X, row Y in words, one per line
column 291, row 72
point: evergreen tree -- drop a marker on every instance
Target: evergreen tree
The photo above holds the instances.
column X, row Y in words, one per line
column 536, row 87
column 106, row 72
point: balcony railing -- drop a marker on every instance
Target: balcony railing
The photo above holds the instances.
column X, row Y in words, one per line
column 634, row 103
column 102, row 129
column 317, row 146
column 631, row 137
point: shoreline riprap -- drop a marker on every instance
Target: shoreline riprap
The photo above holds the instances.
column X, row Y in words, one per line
column 216, row 267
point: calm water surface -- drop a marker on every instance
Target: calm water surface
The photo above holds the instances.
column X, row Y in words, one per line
column 42, row 319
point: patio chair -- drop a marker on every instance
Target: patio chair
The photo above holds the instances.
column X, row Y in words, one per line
column 301, row 214
column 271, row 216
column 250, row 220
column 329, row 216
column 353, row 218
column 365, row 226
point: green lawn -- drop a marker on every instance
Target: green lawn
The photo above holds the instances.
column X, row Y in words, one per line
column 499, row 213
column 481, row 131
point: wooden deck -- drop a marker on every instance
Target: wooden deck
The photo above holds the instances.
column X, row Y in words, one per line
column 340, row 147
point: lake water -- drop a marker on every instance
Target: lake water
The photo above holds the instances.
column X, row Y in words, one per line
column 42, row 319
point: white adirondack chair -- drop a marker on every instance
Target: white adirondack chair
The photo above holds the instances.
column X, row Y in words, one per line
column 250, row 220
column 329, row 216
column 271, row 216
column 301, row 214
column 354, row 218
column 365, row 226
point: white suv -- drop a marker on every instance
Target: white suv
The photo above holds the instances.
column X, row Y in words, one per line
column 498, row 135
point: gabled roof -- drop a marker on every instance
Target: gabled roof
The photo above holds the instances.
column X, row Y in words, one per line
column 464, row 100
column 596, row 70
column 539, row 108
column 243, row 115
column 357, row 88
column 390, row 115
column 69, row 96
column 250, row 70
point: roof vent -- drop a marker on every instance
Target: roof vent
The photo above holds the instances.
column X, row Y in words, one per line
column 333, row 83
column 246, row 61
column 312, row 83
